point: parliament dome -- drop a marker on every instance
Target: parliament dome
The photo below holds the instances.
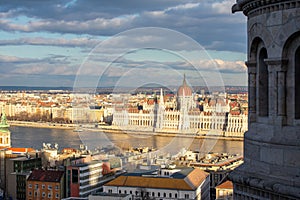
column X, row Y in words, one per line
column 184, row 89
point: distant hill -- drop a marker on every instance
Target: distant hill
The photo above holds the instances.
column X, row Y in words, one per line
column 109, row 90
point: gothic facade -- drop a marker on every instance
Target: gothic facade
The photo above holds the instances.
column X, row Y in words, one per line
column 271, row 168
column 184, row 118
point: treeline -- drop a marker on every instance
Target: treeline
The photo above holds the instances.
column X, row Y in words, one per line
column 37, row 117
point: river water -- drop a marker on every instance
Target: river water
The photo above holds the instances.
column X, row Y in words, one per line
column 35, row 137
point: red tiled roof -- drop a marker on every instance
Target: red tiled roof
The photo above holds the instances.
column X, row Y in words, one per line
column 225, row 185
column 192, row 181
column 46, row 176
column 21, row 149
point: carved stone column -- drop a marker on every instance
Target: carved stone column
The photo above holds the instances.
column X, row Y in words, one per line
column 252, row 90
column 279, row 67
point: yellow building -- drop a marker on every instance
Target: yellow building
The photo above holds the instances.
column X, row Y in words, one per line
column 224, row 191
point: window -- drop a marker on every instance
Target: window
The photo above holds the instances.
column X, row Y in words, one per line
column 29, row 185
column 153, row 194
column 263, row 84
column 43, row 194
column 56, row 187
column 186, row 196
column 176, row 195
column 56, row 195
column 49, row 187
column 74, row 176
column 158, row 194
column 43, row 186
column 36, row 186
column 49, row 195
column 165, row 194
column 30, row 193
column 297, row 83
column 221, row 192
column 170, row 195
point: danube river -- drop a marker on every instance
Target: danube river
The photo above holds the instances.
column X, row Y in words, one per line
column 35, row 137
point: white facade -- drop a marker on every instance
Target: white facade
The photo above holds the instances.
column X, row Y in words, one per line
column 161, row 188
column 87, row 180
column 185, row 117
column 188, row 121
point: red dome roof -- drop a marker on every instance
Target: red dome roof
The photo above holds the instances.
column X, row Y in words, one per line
column 184, row 89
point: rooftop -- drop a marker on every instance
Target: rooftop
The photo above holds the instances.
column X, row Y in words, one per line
column 87, row 163
column 225, row 185
column 187, row 179
column 46, row 176
column 21, row 149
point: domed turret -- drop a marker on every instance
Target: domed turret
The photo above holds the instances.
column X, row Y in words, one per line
column 4, row 131
column 185, row 98
column 184, row 89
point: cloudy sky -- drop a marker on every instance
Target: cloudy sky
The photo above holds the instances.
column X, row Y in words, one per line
column 121, row 42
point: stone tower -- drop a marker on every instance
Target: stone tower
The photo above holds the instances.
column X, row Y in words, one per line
column 4, row 132
column 271, row 168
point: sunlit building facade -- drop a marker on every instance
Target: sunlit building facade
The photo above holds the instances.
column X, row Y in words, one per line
column 184, row 117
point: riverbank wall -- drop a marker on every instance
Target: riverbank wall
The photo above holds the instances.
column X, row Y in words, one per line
column 116, row 130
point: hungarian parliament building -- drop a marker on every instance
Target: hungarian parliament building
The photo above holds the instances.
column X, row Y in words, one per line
column 184, row 116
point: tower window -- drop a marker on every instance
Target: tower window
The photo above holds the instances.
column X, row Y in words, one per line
column 263, row 84
column 297, row 84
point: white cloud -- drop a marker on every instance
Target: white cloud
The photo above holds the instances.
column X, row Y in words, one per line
column 75, row 42
column 223, row 7
column 208, row 22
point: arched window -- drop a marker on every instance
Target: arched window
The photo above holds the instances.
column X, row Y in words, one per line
column 263, row 84
column 297, row 84
column 291, row 52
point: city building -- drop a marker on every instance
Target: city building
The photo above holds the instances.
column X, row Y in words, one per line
column 2, row 172
column 87, row 178
column 187, row 183
column 271, row 168
column 224, row 191
column 185, row 116
column 218, row 165
column 110, row 196
column 17, row 171
column 45, row 184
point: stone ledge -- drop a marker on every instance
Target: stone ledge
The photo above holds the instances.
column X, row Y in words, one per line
column 275, row 135
column 241, row 177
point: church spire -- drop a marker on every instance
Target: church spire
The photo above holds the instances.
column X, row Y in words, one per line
column 161, row 98
column 184, row 81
